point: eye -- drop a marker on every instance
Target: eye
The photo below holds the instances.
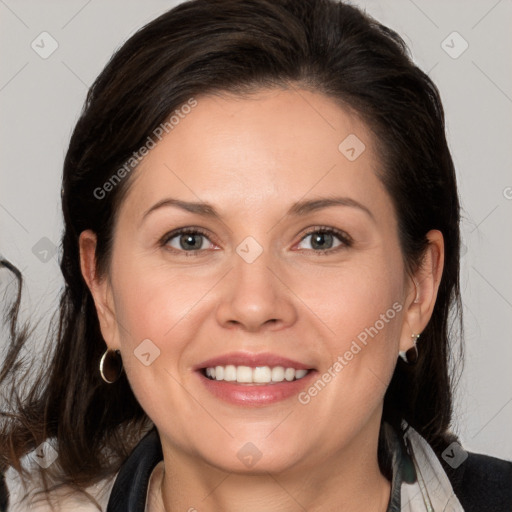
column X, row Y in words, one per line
column 326, row 240
column 191, row 240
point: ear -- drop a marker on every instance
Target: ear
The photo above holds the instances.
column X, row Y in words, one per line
column 422, row 290
column 100, row 289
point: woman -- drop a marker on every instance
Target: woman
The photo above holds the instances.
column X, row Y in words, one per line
column 261, row 251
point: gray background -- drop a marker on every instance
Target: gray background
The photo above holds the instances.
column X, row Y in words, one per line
column 40, row 100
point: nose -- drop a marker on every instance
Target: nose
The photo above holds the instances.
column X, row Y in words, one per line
column 255, row 296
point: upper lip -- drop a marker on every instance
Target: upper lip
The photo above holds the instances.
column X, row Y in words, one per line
column 253, row 360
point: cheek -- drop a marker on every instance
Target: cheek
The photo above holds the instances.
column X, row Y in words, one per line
column 362, row 307
column 369, row 309
column 152, row 308
column 363, row 295
column 154, row 302
column 155, row 310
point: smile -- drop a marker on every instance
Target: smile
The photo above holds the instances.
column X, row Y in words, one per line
column 254, row 380
column 258, row 375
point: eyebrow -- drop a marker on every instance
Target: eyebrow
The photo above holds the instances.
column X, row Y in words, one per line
column 300, row 208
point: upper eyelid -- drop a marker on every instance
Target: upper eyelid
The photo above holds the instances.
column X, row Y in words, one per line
column 327, row 229
column 343, row 236
column 179, row 231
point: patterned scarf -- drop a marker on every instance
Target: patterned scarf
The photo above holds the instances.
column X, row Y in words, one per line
column 419, row 482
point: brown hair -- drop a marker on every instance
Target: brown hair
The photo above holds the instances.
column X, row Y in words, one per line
column 236, row 46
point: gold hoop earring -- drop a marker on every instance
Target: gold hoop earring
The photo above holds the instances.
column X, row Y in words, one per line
column 410, row 356
column 111, row 366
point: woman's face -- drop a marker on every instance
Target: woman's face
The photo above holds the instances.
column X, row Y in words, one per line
column 292, row 260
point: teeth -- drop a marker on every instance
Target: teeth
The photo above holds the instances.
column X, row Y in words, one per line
column 230, row 373
column 300, row 373
column 262, row 374
column 278, row 374
column 257, row 375
column 244, row 374
column 289, row 374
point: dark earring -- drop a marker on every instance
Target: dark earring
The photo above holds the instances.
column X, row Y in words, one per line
column 410, row 356
column 111, row 366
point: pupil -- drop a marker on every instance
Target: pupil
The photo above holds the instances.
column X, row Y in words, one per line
column 190, row 242
column 321, row 239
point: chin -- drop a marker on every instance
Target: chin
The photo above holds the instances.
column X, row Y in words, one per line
column 251, row 462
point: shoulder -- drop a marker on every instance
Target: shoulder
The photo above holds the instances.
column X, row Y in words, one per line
column 22, row 496
column 19, row 494
column 482, row 483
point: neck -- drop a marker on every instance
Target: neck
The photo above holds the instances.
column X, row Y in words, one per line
column 349, row 480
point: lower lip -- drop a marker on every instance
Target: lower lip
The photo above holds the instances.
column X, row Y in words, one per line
column 258, row 394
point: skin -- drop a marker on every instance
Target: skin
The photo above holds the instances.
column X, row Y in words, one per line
column 251, row 159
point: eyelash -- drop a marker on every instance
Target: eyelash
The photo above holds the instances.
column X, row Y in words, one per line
column 343, row 237
column 183, row 231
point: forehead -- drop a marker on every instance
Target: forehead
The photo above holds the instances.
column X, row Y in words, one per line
column 259, row 153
